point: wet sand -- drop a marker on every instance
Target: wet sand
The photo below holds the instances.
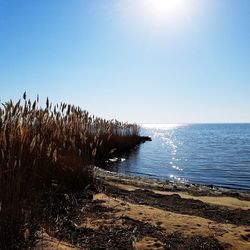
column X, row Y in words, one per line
column 139, row 213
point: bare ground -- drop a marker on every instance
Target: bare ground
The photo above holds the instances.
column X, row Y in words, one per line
column 137, row 213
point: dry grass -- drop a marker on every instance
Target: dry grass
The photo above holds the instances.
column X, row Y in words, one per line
column 47, row 150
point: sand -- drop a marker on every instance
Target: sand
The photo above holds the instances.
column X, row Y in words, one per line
column 138, row 213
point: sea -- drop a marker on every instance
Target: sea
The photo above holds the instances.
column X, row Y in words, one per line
column 209, row 154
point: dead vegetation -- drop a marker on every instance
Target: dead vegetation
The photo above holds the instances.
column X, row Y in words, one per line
column 44, row 157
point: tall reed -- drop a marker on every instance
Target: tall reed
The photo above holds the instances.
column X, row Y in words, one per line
column 43, row 147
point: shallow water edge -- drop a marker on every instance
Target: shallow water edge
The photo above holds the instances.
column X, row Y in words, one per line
column 167, row 185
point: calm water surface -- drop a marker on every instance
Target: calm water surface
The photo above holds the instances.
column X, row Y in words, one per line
column 217, row 154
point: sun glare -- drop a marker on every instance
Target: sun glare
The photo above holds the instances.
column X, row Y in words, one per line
column 166, row 6
column 168, row 11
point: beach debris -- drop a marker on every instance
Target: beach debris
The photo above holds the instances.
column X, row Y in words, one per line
column 115, row 159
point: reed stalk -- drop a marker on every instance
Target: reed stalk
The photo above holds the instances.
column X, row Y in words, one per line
column 44, row 147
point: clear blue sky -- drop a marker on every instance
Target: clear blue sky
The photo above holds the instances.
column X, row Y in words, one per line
column 118, row 60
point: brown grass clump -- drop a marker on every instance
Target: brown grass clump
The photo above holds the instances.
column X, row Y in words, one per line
column 47, row 150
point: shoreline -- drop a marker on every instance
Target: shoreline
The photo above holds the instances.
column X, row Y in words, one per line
column 131, row 212
column 166, row 185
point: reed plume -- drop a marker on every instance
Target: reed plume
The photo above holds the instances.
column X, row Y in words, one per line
column 41, row 147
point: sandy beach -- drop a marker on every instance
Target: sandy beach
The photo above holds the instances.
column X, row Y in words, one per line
column 128, row 212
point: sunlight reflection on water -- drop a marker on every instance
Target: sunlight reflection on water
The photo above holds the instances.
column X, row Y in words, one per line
column 217, row 154
column 169, row 143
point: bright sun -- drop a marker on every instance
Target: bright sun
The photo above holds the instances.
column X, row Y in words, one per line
column 166, row 6
column 160, row 17
column 167, row 10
